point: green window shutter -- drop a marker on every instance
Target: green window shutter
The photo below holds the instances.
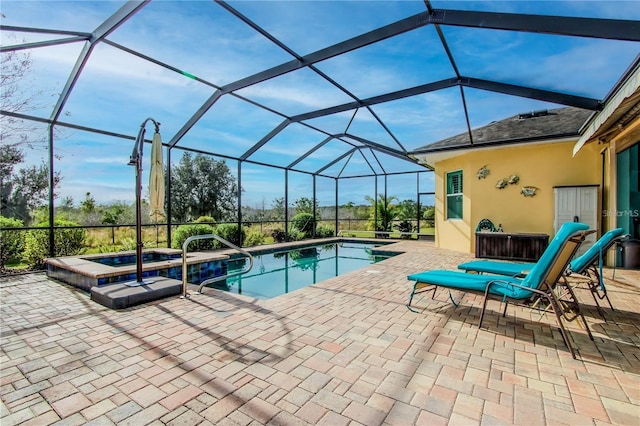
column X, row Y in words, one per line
column 454, row 195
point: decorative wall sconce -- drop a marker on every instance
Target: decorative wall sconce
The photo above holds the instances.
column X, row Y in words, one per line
column 483, row 172
column 513, row 179
column 502, row 183
column 529, row 191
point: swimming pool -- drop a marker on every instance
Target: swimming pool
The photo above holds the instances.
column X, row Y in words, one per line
column 274, row 274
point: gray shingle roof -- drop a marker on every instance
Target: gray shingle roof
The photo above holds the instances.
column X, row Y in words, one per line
column 526, row 127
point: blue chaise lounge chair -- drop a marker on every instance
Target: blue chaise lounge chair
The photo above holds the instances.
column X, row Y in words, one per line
column 588, row 265
column 540, row 282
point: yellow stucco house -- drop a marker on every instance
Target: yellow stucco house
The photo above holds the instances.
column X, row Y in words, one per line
column 531, row 172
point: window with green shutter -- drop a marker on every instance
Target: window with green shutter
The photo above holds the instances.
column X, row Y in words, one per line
column 454, row 195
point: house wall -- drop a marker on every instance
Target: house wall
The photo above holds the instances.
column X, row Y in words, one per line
column 541, row 165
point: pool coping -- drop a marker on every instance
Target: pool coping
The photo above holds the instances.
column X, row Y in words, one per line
column 281, row 247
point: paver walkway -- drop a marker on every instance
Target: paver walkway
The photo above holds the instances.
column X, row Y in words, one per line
column 343, row 352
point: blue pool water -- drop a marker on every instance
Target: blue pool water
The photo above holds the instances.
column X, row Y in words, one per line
column 274, row 274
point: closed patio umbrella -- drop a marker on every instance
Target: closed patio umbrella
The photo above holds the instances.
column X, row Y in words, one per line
column 156, row 189
column 156, row 180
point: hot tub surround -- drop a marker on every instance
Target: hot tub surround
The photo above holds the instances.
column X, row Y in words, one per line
column 87, row 271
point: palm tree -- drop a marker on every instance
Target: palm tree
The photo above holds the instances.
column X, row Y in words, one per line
column 382, row 212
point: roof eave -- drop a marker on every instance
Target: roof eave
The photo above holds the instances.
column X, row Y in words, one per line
column 429, row 157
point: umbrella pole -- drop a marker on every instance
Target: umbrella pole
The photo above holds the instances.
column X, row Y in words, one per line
column 136, row 160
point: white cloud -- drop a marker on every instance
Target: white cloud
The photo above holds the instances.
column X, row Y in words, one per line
column 308, row 97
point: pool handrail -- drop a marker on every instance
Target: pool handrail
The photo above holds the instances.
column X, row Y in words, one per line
column 185, row 245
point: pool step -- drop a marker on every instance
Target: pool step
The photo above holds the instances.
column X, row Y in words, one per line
column 121, row 296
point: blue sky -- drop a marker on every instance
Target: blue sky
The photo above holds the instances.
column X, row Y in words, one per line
column 117, row 91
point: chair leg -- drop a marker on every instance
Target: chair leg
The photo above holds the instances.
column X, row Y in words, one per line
column 608, row 301
column 576, row 306
column 596, row 296
column 414, row 291
column 484, row 306
column 555, row 307
column 594, row 283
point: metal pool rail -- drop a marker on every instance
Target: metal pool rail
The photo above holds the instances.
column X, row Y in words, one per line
column 185, row 294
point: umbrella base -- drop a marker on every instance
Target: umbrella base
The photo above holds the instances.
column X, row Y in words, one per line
column 138, row 283
column 120, row 296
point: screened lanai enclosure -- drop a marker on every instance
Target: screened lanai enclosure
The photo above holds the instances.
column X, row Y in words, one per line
column 325, row 101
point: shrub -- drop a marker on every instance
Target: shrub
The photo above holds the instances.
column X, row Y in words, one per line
column 405, row 226
column 279, row 236
column 185, row 231
column 11, row 242
column 231, row 232
column 303, row 222
column 206, row 219
column 255, row 237
column 295, row 234
column 128, row 244
column 324, row 231
column 67, row 242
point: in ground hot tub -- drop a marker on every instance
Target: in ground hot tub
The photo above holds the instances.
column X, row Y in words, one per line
column 97, row 270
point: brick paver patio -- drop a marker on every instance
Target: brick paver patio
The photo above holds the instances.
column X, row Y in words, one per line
column 343, row 352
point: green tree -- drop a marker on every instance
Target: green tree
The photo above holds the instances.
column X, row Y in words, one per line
column 66, row 204
column 348, row 207
column 113, row 214
column 382, row 212
column 304, row 205
column 278, row 208
column 202, row 186
column 407, row 210
column 429, row 213
column 24, row 189
column 88, row 205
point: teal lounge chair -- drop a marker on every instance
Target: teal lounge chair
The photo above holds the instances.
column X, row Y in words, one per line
column 588, row 265
column 540, row 282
